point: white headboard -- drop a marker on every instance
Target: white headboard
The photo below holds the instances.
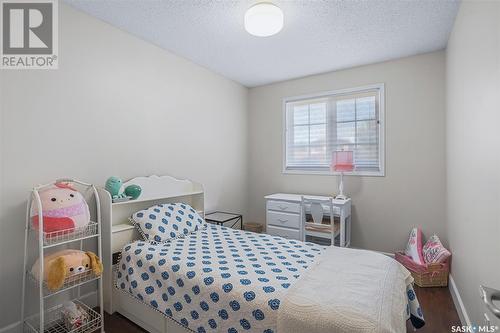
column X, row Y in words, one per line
column 161, row 187
column 116, row 229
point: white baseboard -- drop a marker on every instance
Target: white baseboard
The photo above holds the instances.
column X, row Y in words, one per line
column 16, row 327
column 459, row 304
column 12, row 328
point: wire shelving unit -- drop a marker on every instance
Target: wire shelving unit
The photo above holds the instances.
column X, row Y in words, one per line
column 51, row 320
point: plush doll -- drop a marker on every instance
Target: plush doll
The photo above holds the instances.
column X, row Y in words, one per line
column 63, row 208
column 65, row 265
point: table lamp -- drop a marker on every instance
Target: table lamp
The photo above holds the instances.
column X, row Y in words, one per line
column 342, row 161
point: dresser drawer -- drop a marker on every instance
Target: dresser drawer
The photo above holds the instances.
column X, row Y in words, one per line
column 285, row 220
column 283, row 206
column 283, row 232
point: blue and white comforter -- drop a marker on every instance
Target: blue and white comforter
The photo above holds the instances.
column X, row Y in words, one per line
column 218, row 279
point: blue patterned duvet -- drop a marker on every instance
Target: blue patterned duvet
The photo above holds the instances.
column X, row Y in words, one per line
column 216, row 280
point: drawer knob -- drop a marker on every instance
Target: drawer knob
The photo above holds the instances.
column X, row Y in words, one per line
column 282, row 221
column 283, row 207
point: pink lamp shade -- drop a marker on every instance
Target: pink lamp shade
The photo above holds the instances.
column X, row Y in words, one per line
column 342, row 161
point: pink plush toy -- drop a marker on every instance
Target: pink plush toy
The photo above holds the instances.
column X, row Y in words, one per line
column 64, row 208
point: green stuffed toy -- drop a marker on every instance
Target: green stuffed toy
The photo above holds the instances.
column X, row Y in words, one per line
column 114, row 186
column 133, row 191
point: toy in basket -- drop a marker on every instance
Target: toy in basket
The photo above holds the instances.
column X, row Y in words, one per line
column 74, row 316
column 66, row 267
column 429, row 265
column 63, row 209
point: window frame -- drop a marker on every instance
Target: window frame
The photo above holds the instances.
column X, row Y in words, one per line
column 380, row 87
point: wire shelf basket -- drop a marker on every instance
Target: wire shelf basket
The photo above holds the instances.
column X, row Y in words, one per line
column 55, row 321
column 68, row 235
column 62, row 318
column 69, row 282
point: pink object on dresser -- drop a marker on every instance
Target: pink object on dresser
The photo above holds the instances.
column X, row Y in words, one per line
column 414, row 246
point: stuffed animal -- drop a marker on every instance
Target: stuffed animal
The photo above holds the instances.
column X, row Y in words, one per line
column 66, row 265
column 114, row 187
column 133, row 191
column 63, row 208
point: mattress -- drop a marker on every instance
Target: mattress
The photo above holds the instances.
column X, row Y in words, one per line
column 218, row 279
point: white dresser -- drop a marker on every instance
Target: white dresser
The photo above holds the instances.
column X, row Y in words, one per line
column 284, row 216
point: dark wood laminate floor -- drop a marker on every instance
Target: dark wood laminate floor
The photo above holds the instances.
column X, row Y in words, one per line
column 439, row 312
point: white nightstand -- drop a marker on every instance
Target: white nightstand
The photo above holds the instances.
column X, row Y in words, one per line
column 283, row 216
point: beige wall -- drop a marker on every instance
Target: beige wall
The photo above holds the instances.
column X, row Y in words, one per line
column 473, row 151
column 385, row 208
column 116, row 106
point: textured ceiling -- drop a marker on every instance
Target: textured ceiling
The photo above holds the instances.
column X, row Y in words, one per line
column 318, row 36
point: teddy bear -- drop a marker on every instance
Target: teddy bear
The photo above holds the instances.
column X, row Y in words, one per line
column 65, row 266
column 63, row 208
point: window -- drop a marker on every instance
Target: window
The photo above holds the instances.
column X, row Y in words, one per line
column 350, row 119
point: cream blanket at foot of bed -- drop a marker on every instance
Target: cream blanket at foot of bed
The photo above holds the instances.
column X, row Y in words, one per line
column 347, row 290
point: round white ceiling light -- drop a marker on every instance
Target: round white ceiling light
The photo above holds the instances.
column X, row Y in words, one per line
column 263, row 19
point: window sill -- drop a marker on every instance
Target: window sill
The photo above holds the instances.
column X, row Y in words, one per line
column 331, row 173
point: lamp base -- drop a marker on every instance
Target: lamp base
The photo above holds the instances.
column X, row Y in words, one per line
column 341, row 197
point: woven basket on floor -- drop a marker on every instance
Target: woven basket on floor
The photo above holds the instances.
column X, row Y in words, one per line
column 428, row 275
column 253, row 227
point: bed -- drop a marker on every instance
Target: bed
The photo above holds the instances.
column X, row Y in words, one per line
column 224, row 280
column 216, row 279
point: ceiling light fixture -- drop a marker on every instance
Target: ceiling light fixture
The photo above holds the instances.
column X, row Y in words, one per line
column 263, row 20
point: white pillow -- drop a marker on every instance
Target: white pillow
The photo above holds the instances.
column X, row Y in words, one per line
column 164, row 222
column 414, row 246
